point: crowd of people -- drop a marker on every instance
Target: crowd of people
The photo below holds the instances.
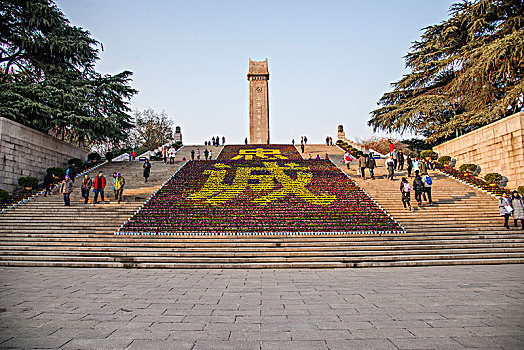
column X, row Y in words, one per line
column 396, row 161
column 97, row 185
column 421, row 186
column 215, row 141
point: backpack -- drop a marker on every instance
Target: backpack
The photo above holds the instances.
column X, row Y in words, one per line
column 418, row 184
column 428, row 180
column 407, row 187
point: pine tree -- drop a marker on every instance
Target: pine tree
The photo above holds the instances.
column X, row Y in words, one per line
column 47, row 76
column 465, row 72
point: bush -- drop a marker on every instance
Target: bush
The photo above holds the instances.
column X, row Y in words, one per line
column 520, row 190
column 94, row 157
column 428, row 154
column 444, row 160
column 4, row 197
column 468, row 168
column 28, row 181
column 493, row 178
column 77, row 162
column 58, row 172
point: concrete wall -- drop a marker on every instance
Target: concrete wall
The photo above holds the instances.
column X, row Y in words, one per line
column 496, row 148
column 27, row 152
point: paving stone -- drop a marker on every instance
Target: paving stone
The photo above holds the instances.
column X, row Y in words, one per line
column 141, row 344
column 361, row 344
column 291, row 345
column 34, row 343
column 226, row 345
column 427, row 343
column 96, row 344
column 346, row 308
column 504, row 342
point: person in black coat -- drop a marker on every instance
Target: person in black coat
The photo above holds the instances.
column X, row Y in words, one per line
column 48, row 182
column 418, row 186
column 147, row 169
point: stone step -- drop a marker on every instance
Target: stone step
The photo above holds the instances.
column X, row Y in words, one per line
column 280, row 265
column 237, row 253
column 133, row 258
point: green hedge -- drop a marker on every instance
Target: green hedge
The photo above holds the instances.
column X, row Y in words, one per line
column 444, row 160
column 493, row 178
column 28, row 181
column 468, row 168
column 520, row 190
column 58, row 172
column 428, row 154
column 4, row 197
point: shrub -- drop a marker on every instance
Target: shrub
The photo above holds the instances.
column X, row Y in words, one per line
column 28, row 181
column 520, row 190
column 94, row 157
column 468, row 168
column 444, row 160
column 77, row 162
column 493, row 178
column 428, row 154
column 58, row 172
column 4, row 197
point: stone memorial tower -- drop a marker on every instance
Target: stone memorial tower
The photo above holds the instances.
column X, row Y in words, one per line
column 258, row 76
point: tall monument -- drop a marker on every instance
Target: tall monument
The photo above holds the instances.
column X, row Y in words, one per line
column 258, row 76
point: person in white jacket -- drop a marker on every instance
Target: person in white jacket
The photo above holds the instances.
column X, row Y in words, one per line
column 427, row 188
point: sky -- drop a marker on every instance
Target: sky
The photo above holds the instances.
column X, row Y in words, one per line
column 329, row 61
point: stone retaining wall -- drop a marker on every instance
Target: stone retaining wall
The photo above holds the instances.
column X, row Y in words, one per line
column 27, row 152
column 496, row 148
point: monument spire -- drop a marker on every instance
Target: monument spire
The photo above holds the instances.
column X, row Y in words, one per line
column 258, row 76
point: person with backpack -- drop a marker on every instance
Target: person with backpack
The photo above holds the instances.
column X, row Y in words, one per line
column 427, row 188
column 418, row 186
column 390, row 165
column 71, row 172
column 405, row 189
column 347, row 159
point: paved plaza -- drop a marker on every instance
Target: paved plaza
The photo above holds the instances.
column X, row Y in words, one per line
column 380, row 308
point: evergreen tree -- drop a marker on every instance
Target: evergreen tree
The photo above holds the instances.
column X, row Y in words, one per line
column 47, row 76
column 465, row 72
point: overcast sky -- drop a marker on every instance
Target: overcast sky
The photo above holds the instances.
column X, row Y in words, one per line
column 329, row 61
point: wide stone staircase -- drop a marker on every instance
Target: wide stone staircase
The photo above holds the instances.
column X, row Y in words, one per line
column 463, row 227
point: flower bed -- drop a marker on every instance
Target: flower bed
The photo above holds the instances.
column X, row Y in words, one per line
column 260, row 196
column 472, row 180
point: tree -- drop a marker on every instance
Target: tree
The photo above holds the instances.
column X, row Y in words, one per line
column 153, row 129
column 466, row 72
column 380, row 144
column 47, row 76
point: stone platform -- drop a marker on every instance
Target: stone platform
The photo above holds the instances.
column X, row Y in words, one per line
column 385, row 308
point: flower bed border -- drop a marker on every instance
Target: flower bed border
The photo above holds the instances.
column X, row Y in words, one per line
column 440, row 167
column 402, row 230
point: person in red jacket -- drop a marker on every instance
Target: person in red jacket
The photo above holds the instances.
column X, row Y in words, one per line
column 99, row 184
